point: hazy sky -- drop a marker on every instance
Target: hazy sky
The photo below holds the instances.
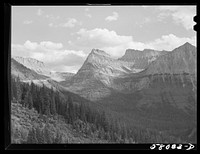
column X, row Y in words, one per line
column 63, row 36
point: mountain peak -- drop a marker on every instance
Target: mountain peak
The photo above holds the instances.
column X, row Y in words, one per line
column 99, row 52
column 28, row 60
column 187, row 44
column 186, row 47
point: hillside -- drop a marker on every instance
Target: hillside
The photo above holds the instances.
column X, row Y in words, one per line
column 41, row 115
column 24, row 120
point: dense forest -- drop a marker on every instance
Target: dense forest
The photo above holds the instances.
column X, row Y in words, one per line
column 81, row 117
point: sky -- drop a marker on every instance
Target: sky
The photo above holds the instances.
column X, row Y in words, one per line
column 63, row 36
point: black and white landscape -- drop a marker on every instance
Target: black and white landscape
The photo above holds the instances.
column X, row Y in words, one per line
column 114, row 89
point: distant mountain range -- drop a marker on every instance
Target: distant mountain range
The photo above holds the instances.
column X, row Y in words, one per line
column 149, row 88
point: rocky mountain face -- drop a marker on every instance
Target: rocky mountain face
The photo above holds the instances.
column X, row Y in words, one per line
column 33, row 64
column 100, row 70
column 30, row 75
column 24, row 73
column 143, row 58
column 40, row 68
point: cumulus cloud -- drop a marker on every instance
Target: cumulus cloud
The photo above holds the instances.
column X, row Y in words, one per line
column 101, row 37
column 30, row 45
column 116, row 45
column 171, row 41
column 182, row 15
column 50, row 53
column 113, row 17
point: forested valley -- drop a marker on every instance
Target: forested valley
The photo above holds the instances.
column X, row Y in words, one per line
column 41, row 115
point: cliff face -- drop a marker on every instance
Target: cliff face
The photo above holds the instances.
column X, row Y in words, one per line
column 143, row 58
column 96, row 75
column 168, row 84
column 180, row 60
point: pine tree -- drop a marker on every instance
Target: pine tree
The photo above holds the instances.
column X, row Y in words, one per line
column 52, row 103
column 32, row 137
column 58, row 138
column 24, row 98
column 40, row 135
column 46, row 109
column 13, row 90
column 47, row 135
column 40, row 101
column 18, row 88
column 30, row 101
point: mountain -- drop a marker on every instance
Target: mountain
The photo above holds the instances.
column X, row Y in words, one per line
column 158, row 93
column 162, row 95
column 150, row 89
column 42, row 69
column 29, row 75
column 23, row 72
column 97, row 73
column 95, row 78
column 143, row 58
column 33, row 64
column 180, row 60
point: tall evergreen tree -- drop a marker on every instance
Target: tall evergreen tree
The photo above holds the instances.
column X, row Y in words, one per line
column 18, row 88
column 52, row 103
column 40, row 135
column 32, row 137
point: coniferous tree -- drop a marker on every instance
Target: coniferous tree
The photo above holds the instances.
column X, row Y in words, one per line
column 40, row 135
column 30, row 101
column 58, row 138
column 18, row 88
column 52, row 103
column 24, row 98
column 47, row 135
column 32, row 137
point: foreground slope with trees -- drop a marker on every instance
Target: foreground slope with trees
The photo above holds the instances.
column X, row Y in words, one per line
column 42, row 115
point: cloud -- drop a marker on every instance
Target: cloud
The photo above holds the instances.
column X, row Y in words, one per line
column 101, row 37
column 182, row 15
column 50, row 53
column 86, row 9
column 87, row 14
column 113, row 17
column 40, row 12
column 28, row 22
column 71, row 22
column 30, row 45
column 51, row 45
column 170, row 42
column 116, row 45
column 52, row 17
